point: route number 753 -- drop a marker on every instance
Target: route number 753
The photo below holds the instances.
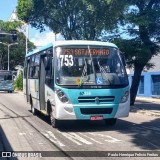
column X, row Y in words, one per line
column 66, row 60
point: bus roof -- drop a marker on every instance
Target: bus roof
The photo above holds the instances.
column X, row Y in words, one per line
column 72, row 42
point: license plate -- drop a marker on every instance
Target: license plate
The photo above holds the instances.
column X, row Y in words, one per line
column 96, row 118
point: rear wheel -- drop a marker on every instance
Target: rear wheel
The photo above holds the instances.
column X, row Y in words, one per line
column 55, row 123
column 111, row 121
column 33, row 110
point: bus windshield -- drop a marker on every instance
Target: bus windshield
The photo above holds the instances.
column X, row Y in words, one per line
column 89, row 65
column 5, row 77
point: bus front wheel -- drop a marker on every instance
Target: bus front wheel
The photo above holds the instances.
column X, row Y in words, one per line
column 55, row 123
column 111, row 121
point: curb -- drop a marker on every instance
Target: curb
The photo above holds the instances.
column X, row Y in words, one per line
column 19, row 92
column 143, row 111
column 148, row 99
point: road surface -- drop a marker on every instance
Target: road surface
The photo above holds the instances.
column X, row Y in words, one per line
column 21, row 131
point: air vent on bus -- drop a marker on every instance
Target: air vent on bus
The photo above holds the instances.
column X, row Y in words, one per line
column 93, row 99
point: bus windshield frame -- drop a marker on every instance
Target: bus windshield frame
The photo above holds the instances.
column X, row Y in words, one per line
column 90, row 66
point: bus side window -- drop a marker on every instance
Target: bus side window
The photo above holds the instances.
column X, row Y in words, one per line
column 35, row 72
column 31, row 67
column 36, row 67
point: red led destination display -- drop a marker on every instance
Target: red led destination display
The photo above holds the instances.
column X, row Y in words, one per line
column 85, row 51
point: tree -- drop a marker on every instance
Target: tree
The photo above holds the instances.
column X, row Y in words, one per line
column 18, row 83
column 141, row 22
column 138, row 20
column 82, row 19
column 17, row 52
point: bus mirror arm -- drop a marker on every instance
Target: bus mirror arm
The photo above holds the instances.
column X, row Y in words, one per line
column 52, row 70
column 122, row 55
column 123, row 59
column 57, row 79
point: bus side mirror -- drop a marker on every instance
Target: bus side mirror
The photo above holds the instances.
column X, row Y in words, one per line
column 123, row 59
column 52, row 68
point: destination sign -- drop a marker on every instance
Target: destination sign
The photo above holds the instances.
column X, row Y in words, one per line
column 85, row 51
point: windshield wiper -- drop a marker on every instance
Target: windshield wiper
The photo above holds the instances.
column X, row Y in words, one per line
column 102, row 70
column 84, row 73
column 92, row 64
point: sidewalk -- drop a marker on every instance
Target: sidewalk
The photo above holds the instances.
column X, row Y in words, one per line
column 146, row 105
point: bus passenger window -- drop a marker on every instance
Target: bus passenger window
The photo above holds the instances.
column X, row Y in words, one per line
column 48, row 69
column 35, row 73
column 37, row 60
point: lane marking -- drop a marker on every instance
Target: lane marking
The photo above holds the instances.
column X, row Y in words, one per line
column 146, row 133
column 112, row 140
column 75, row 138
column 69, row 137
column 149, row 129
column 22, row 133
column 79, row 138
column 152, row 128
column 40, row 143
column 109, row 139
column 49, row 135
column 157, row 147
column 90, row 138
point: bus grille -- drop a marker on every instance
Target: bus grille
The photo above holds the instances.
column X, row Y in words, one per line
column 96, row 110
column 94, row 99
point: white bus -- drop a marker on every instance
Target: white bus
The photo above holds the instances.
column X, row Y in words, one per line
column 77, row 80
column 6, row 81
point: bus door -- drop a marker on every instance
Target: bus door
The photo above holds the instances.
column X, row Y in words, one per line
column 45, row 78
column 42, row 82
column 27, row 77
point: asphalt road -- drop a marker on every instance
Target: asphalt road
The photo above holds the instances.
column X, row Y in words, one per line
column 21, row 131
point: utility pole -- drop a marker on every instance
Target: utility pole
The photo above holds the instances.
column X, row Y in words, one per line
column 25, row 26
column 8, row 46
column 27, row 36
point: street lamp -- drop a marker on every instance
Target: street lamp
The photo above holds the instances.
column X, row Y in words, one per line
column 8, row 45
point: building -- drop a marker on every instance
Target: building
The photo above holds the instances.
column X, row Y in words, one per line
column 150, row 80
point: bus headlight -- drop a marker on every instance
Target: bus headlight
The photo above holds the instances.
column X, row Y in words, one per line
column 125, row 97
column 61, row 95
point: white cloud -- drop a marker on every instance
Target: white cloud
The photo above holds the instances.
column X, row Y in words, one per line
column 42, row 39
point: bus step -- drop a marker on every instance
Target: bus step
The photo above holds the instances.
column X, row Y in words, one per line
column 43, row 112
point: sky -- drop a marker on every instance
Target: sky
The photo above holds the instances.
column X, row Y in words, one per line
column 39, row 39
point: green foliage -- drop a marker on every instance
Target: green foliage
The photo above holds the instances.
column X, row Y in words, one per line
column 17, row 52
column 25, row 7
column 141, row 22
column 7, row 26
column 18, row 83
column 138, row 20
column 82, row 19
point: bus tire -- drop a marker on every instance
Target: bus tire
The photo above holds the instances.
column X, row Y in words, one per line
column 55, row 123
column 33, row 110
column 111, row 121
